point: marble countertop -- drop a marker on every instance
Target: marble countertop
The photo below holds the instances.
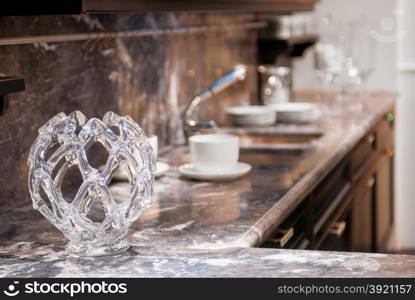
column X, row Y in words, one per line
column 243, row 213
column 43, row 260
column 219, row 221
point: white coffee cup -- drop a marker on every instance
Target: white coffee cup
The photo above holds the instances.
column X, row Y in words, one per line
column 214, row 153
column 153, row 141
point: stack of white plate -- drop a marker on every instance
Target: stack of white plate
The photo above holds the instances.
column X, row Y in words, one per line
column 295, row 112
column 252, row 116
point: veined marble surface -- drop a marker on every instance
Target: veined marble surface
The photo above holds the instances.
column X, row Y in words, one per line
column 31, row 259
column 243, row 213
column 150, row 78
column 193, row 222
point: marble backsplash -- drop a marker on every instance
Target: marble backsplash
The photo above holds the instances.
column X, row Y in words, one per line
column 149, row 78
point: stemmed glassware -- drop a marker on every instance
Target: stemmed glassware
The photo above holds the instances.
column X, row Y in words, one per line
column 344, row 57
column 363, row 52
column 329, row 54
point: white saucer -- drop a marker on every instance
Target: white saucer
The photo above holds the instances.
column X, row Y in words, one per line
column 240, row 170
column 161, row 169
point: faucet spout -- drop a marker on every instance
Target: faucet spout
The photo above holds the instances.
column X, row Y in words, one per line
column 191, row 124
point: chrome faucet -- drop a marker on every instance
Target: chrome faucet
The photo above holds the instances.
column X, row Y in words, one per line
column 191, row 124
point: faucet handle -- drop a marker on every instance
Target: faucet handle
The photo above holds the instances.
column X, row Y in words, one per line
column 194, row 127
column 203, row 124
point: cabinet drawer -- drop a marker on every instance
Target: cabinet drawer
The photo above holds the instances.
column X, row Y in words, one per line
column 340, row 198
column 362, row 152
column 292, row 233
column 333, row 234
column 329, row 190
column 336, row 238
column 385, row 140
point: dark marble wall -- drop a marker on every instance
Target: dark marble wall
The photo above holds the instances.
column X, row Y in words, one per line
column 148, row 78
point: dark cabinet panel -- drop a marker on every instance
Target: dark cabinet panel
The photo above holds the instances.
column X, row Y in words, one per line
column 140, row 6
column 338, row 236
column 333, row 235
column 41, row 7
column 293, row 233
column 329, row 194
column 198, row 5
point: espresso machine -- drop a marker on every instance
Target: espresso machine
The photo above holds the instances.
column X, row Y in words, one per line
column 284, row 38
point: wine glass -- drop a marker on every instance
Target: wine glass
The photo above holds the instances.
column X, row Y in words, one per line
column 364, row 53
column 359, row 60
column 329, row 54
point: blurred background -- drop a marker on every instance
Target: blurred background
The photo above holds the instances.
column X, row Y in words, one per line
column 379, row 16
column 379, row 33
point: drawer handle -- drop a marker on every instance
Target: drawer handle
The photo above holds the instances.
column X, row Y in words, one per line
column 370, row 182
column 338, row 228
column 370, row 138
column 286, row 236
column 390, row 117
column 390, row 153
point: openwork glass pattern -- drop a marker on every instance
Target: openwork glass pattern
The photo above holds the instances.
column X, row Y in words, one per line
column 62, row 144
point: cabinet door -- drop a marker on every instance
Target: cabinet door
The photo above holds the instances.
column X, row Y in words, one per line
column 384, row 202
column 361, row 234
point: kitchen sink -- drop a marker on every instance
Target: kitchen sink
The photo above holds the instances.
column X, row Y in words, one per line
column 267, row 148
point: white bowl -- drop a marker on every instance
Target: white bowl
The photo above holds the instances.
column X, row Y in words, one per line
column 253, row 115
column 251, row 110
column 293, row 107
column 295, row 112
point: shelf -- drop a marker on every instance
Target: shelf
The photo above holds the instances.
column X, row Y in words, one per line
column 270, row 49
column 304, row 39
column 9, row 85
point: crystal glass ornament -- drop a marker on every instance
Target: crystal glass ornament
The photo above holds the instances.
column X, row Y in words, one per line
column 62, row 144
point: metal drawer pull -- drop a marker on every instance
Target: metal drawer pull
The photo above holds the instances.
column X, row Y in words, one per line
column 370, row 182
column 338, row 228
column 286, row 236
column 370, row 138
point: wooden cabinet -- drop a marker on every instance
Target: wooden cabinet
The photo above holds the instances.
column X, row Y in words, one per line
column 384, row 202
column 352, row 208
column 361, row 223
column 372, row 209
